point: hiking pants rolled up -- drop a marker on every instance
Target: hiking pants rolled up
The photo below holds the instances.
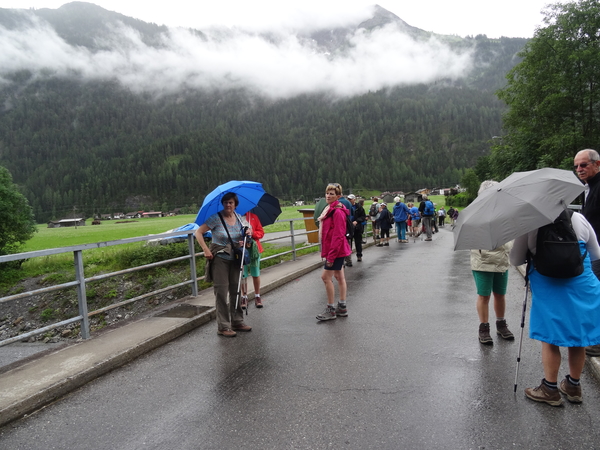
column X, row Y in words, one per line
column 428, row 224
column 401, row 230
column 226, row 275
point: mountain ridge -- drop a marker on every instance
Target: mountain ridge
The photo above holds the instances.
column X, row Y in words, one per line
column 72, row 136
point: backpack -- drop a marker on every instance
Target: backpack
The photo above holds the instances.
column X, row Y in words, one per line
column 558, row 254
column 429, row 210
column 373, row 211
column 349, row 228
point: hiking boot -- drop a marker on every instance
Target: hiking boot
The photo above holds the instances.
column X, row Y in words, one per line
column 503, row 331
column 544, row 394
column 359, row 259
column 327, row 314
column 573, row 392
column 226, row 332
column 484, row 334
column 348, row 261
column 341, row 311
column 593, row 350
column 379, row 245
column 241, row 326
column 244, row 302
column 258, row 302
column 387, row 244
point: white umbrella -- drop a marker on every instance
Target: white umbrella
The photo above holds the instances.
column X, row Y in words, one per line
column 521, row 203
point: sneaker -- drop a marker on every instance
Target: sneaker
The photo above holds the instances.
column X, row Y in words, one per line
column 379, row 245
column 327, row 314
column 573, row 392
column 428, row 239
column 484, row 334
column 387, row 244
column 241, row 326
column 503, row 331
column 544, row 394
column 593, row 350
column 258, row 302
column 226, row 332
column 244, row 302
column 341, row 312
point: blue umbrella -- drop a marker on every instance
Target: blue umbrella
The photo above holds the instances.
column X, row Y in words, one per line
column 249, row 193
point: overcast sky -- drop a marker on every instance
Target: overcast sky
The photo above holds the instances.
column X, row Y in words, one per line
column 495, row 18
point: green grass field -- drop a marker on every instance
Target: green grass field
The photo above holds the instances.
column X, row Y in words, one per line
column 110, row 230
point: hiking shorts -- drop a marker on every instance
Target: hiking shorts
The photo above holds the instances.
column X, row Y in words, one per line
column 488, row 282
column 254, row 269
column 338, row 263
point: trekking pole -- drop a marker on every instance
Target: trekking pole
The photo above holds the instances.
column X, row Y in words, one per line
column 239, row 288
column 522, row 328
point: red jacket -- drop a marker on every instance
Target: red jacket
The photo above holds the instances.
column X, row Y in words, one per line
column 257, row 230
column 333, row 233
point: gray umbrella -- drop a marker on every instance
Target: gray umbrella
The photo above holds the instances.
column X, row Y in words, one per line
column 521, row 203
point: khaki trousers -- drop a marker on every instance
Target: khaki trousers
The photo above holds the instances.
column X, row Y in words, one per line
column 226, row 274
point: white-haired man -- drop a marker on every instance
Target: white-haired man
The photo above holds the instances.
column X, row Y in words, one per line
column 587, row 165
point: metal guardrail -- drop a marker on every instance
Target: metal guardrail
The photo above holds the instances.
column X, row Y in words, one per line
column 81, row 281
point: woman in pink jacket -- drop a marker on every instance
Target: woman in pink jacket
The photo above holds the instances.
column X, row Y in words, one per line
column 334, row 248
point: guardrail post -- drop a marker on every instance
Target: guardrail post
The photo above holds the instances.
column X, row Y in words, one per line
column 293, row 240
column 193, row 273
column 81, row 296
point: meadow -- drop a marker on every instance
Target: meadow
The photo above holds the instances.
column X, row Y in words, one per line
column 112, row 230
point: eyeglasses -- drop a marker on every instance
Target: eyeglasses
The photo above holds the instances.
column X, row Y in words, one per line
column 582, row 165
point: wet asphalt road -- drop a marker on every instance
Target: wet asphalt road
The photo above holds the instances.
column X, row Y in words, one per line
column 404, row 370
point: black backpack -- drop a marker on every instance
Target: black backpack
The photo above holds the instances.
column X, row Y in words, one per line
column 349, row 228
column 557, row 254
column 374, row 209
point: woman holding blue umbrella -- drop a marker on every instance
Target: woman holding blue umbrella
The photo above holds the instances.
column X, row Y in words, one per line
column 227, row 229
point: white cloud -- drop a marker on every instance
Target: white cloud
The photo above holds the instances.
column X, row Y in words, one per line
column 287, row 67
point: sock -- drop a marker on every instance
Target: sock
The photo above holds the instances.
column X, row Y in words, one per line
column 331, row 306
column 256, row 295
column 550, row 385
column 498, row 319
column 573, row 381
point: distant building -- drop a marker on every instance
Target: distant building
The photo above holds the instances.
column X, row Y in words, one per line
column 66, row 223
column 153, row 214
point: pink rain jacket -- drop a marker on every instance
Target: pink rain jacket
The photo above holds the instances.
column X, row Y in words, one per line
column 333, row 233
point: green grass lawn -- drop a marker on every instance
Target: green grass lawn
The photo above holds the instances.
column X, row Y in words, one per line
column 110, row 230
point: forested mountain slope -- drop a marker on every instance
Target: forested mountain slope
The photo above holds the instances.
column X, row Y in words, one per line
column 113, row 143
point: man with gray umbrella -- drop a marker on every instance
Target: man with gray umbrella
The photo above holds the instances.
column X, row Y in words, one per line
column 587, row 166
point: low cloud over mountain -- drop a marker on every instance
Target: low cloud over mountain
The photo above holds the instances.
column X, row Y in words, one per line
column 347, row 61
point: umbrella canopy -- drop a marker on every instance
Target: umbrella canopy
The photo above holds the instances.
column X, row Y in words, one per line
column 319, row 207
column 248, row 192
column 521, row 203
column 267, row 210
